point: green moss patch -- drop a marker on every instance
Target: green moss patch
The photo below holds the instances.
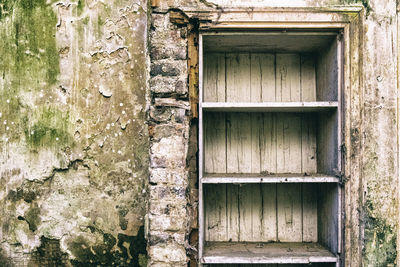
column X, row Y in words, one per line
column 50, row 128
column 380, row 241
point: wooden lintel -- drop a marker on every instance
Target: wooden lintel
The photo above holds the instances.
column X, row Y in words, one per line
column 178, row 18
column 155, row 3
column 193, row 67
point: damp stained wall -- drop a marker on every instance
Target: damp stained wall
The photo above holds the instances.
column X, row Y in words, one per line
column 73, row 134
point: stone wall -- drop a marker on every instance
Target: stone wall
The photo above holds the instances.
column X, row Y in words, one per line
column 169, row 135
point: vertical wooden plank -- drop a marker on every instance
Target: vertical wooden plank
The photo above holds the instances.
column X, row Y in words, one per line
column 256, row 212
column 308, row 80
column 268, row 143
column 308, row 143
column 239, row 143
column 246, row 212
column 233, row 231
column 289, row 213
column 216, row 214
column 289, row 143
column 238, row 77
column 255, row 77
column 268, row 79
column 232, row 140
column 268, row 217
column 216, row 221
column 214, row 77
column 292, row 136
column 210, row 77
column 280, row 144
column 262, row 70
column 215, row 143
column 288, row 77
column 310, row 213
column 256, row 124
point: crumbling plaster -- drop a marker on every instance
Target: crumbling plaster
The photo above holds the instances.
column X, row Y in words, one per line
column 74, row 139
column 81, row 170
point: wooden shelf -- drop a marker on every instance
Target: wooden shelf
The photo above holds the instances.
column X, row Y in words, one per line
column 316, row 106
column 265, row 253
column 239, row 178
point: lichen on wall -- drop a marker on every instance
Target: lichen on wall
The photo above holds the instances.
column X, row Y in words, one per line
column 73, row 136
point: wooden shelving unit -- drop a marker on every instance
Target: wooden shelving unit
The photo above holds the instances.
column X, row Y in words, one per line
column 269, row 140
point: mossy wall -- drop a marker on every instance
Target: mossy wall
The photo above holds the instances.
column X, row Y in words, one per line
column 73, row 134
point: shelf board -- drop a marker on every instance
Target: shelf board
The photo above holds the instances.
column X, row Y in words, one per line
column 270, row 106
column 239, row 178
column 265, row 253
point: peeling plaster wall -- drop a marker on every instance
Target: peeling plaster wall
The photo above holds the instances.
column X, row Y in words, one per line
column 380, row 176
column 73, row 135
column 79, row 168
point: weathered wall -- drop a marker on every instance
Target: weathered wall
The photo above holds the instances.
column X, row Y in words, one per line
column 73, row 135
column 380, row 176
column 372, row 191
column 76, row 155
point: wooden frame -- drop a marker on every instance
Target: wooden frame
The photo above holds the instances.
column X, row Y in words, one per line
column 346, row 20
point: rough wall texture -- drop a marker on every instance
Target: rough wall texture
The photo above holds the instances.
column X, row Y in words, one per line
column 169, row 135
column 73, row 137
column 77, row 157
column 380, row 178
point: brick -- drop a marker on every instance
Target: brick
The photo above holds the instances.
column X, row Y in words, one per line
column 166, row 193
column 167, row 223
column 168, row 253
column 168, row 152
column 169, row 85
column 166, row 176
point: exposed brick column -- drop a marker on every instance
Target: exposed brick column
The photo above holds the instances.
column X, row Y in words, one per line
column 169, row 134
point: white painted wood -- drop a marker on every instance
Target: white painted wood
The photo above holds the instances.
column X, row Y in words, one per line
column 269, row 253
column 308, row 81
column 255, row 128
column 328, row 214
column 215, row 143
column 238, row 77
column 256, row 145
column 308, row 143
column 288, row 143
column 310, row 212
column 269, row 213
column 268, row 143
column 201, row 151
column 214, row 77
column 233, row 213
column 268, row 179
column 289, row 213
column 246, row 206
column 270, row 106
column 258, row 42
column 239, row 143
column 327, row 143
column 327, row 73
column 287, row 77
column 216, row 219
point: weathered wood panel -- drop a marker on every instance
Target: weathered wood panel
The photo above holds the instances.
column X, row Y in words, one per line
column 288, row 77
column 263, row 143
column 289, row 213
column 215, row 143
column 262, row 212
column 260, row 77
column 214, row 77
